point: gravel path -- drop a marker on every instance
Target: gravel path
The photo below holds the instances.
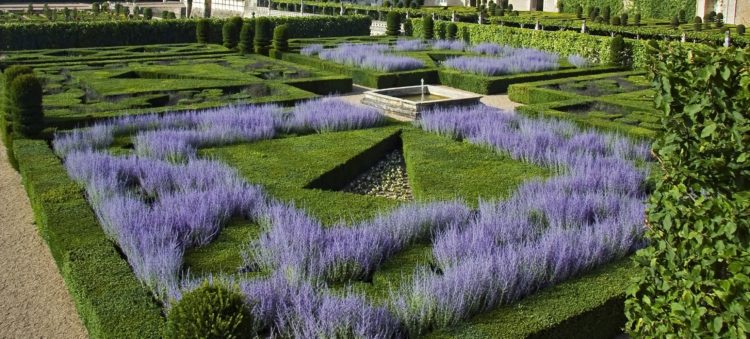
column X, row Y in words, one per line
column 33, row 300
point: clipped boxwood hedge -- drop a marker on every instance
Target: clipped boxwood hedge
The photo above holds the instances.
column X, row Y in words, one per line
column 534, row 92
column 18, row 36
column 592, row 47
column 366, row 77
column 499, row 84
column 109, row 299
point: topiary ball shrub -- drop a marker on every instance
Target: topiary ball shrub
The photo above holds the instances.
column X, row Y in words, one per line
column 615, row 21
column 697, row 24
column 741, row 29
column 281, row 38
column 247, row 33
column 624, row 19
column 617, row 51
column 25, row 107
column 202, row 31
column 719, row 20
column 148, row 13
column 230, row 32
column 428, row 28
column 262, row 35
column 210, row 312
column 452, row 31
column 579, row 12
column 408, row 27
column 682, row 16
column 393, row 24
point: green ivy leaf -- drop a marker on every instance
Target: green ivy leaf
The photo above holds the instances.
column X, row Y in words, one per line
column 708, row 130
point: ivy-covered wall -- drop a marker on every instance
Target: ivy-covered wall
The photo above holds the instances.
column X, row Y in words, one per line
column 665, row 9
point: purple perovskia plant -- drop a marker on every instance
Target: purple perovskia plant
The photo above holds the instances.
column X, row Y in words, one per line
column 371, row 56
column 588, row 214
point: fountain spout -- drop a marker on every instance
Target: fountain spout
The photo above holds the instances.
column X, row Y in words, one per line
column 422, row 89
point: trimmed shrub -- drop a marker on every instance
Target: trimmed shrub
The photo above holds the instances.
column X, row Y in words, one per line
column 148, row 13
column 452, row 31
column 165, row 15
column 202, row 31
column 281, row 38
column 560, row 6
column 428, row 27
column 741, row 29
column 408, row 27
column 617, row 50
column 230, row 32
column 579, row 12
column 624, row 19
column 393, row 24
column 615, row 21
column 262, row 35
column 637, row 19
column 247, row 33
column 697, row 24
column 210, row 312
column 96, row 7
column 675, row 22
column 440, row 30
column 682, row 15
column 693, row 278
column 25, row 107
column 10, row 74
column 607, row 14
column 719, row 20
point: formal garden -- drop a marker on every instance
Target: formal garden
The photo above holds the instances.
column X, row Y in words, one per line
column 218, row 178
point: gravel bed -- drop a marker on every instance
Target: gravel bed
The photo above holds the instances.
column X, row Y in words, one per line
column 386, row 179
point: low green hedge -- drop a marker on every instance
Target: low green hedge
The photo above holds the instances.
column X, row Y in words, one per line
column 553, row 110
column 366, row 77
column 117, row 33
column 534, row 92
column 590, row 306
column 109, row 299
column 499, row 84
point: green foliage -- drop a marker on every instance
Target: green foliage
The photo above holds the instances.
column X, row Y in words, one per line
column 210, row 311
column 25, row 105
column 675, row 22
column 393, row 24
column 607, row 14
column 408, row 28
column 624, row 19
column 247, row 34
column 148, row 13
column 697, row 24
column 616, row 21
column 428, row 27
column 741, row 29
column 617, row 51
column 695, row 275
column 440, row 30
column 579, row 12
column 262, row 39
column 140, row 32
column 231, row 32
column 452, row 31
column 719, row 20
column 281, row 38
column 108, row 298
column 202, row 31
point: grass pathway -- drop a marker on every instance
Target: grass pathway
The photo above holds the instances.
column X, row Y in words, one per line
column 33, row 300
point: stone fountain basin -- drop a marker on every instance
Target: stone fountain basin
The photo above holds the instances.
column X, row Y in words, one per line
column 406, row 102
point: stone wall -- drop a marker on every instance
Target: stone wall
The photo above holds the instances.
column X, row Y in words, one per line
column 743, row 13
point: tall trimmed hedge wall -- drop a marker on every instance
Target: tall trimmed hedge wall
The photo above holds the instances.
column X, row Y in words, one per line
column 593, row 47
column 95, row 34
column 663, row 9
